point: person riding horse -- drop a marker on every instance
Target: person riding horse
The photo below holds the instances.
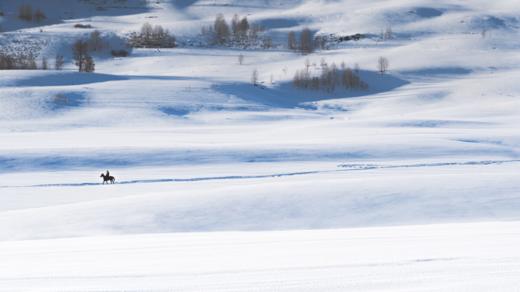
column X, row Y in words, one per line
column 107, row 178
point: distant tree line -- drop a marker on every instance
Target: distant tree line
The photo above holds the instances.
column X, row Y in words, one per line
column 152, row 37
column 28, row 61
column 328, row 77
column 18, row 61
column 83, row 52
column 96, row 43
column 240, row 33
column 25, row 12
column 305, row 44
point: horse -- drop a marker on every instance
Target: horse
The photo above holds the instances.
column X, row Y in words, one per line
column 108, row 178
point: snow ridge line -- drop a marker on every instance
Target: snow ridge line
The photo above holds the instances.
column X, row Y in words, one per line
column 345, row 168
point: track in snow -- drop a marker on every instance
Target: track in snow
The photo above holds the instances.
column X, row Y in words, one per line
column 343, row 168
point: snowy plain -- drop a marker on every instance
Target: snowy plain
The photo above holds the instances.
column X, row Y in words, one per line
column 411, row 185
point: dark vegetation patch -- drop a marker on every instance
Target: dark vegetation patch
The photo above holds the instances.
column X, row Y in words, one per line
column 152, row 37
column 80, row 25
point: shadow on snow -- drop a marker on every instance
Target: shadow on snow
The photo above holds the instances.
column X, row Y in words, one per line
column 68, row 78
column 286, row 95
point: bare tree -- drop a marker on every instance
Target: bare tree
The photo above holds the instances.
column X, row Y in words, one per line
column 25, row 12
column 253, row 32
column 39, row 15
column 243, row 29
column 306, row 41
column 329, row 79
column 291, row 41
column 267, row 42
column 254, row 77
column 80, row 53
column 152, row 37
column 234, row 25
column 146, row 32
column 388, row 34
column 221, row 29
column 89, row 65
column 320, row 42
column 382, row 65
column 45, row 64
column 59, row 61
column 323, row 63
column 95, row 43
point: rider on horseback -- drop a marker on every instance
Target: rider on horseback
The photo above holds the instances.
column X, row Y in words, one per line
column 107, row 178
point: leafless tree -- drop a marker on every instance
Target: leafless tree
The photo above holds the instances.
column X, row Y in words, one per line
column 382, row 65
column 388, row 33
column 152, row 37
column 234, row 25
column 39, row 15
column 25, row 12
column 306, row 41
column 95, row 43
column 254, row 31
column 320, row 42
column 254, row 77
column 59, row 61
column 221, row 29
column 19, row 61
column 146, row 32
column 329, row 79
column 80, row 53
column 89, row 65
column 267, row 42
column 243, row 28
column 291, row 41
column 45, row 64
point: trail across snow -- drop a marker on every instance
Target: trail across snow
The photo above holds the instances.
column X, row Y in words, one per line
column 344, row 168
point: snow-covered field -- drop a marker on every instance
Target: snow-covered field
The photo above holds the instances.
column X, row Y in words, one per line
column 224, row 186
column 452, row 257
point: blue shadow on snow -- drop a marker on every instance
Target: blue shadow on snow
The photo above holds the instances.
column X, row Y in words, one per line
column 286, row 95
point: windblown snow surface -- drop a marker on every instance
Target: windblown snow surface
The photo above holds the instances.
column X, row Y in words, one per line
column 411, row 185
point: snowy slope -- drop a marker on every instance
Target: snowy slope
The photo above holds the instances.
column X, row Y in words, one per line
column 196, row 148
column 449, row 103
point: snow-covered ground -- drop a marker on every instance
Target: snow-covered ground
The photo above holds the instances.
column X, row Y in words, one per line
column 452, row 257
column 238, row 180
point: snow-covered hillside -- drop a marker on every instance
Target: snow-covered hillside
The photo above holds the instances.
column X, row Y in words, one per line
column 195, row 147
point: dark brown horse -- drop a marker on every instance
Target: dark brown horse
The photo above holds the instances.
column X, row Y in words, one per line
column 108, row 178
